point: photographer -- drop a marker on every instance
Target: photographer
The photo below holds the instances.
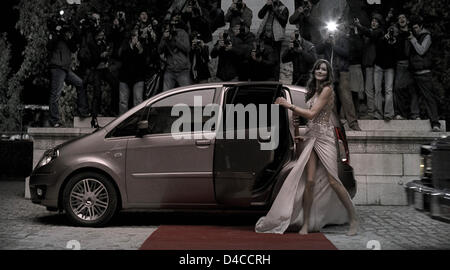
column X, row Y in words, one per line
column 87, row 28
column 60, row 47
column 239, row 12
column 302, row 54
column 300, row 18
column 101, row 52
column 242, row 40
column 199, row 57
column 227, row 64
column 384, row 71
column 356, row 47
column 149, row 37
column 175, row 46
column 262, row 62
column 118, row 32
column 403, row 85
column 274, row 17
column 371, row 36
column 336, row 49
column 192, row 16
column 145, row 30
column 132, row 73
column 421, row 65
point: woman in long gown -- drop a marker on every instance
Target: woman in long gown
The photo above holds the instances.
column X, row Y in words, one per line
column 312, row 195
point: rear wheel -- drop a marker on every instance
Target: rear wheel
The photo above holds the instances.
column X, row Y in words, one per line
column 90, row 199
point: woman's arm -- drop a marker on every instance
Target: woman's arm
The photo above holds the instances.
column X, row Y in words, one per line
column 321, row 101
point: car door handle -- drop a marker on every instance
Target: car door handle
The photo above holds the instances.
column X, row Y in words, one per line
column 203, row 142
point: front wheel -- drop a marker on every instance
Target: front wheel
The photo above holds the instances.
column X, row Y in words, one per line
column 89, row 199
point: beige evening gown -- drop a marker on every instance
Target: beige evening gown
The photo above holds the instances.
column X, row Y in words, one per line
column 286, row 213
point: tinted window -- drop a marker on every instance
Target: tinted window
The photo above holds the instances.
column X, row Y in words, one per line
column 128, row 127
column 160, row 117
column 251, row 95
column 298, row 98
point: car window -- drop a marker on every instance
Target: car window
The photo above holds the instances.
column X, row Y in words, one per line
column 160, row 117
column 298, row 99
column 128, row 127
column 249, row 95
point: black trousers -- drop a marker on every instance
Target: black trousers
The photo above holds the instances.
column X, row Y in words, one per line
column 424, row 92
column 100, row 75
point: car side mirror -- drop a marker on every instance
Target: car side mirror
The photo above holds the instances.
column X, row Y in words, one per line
column 142, row 128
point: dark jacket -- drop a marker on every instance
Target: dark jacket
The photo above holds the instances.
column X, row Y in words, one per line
column 227, row 65
column 340, row 52
column 419, row 61
column 97, row 60
column 133, row 64
column 385, row 54
column 200, row 58
column 402, row 46
column 236, row 16
column 60, row 51
column 303, row 60
column 280, row 15
column 301, row 20
column 371, row 37
column 356, row 48
column 198, row 24
column 176, row 51
column 264, row 70
column 242, row 48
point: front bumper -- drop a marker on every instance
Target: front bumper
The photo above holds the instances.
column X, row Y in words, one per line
column 434, row 202
column 46, row 181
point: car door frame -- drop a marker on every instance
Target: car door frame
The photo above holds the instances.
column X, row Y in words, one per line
column 201, row 191
column 253, row 200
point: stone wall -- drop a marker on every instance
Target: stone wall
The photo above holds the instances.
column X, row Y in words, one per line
column 385, row 160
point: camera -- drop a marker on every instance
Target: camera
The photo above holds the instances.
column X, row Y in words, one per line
column 391, row 32
column 226, row 39
column 296, row 40
column 196, row 40
column 239, row 5
column 195, row 7
column 171, row 29
column 258, row 50
column 305, row 5
column 391, row 35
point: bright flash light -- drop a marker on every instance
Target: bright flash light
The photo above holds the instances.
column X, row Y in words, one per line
column 332, row 26
column 61, row 12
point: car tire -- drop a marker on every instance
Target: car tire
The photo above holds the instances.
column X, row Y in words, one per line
column 89, row 200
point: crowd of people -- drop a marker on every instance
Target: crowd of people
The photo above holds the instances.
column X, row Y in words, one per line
column 381, row 69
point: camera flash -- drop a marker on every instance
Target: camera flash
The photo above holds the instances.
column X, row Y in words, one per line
column 332, row 26
column 61, row 12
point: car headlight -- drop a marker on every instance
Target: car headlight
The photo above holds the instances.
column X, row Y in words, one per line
column 48, row 156
column 422, row 166
column 425, row 166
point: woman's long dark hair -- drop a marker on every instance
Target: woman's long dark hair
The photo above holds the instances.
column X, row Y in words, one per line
column 311, row 86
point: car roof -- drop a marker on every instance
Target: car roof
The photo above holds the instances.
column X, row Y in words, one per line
column 238, row 83
column 226, row 84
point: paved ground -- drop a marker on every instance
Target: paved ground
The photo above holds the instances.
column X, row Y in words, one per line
column 24, row 225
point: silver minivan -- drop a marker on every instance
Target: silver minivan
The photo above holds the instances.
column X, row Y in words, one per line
column 138, row 161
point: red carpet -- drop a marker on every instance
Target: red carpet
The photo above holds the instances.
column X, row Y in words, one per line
column 230, row 238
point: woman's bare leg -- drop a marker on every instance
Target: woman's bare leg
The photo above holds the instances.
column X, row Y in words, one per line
column 342, row 194
column 308, row 194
